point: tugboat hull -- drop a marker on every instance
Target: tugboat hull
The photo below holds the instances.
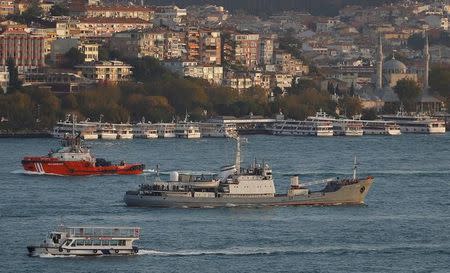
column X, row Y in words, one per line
column 352, row 194
column 52, row 166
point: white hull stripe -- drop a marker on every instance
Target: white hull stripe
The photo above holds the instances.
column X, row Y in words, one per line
column 39, row 167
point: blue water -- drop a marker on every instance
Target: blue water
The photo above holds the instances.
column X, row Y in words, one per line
column 403, row 228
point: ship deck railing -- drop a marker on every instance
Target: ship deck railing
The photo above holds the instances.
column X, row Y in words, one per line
column 123, row 232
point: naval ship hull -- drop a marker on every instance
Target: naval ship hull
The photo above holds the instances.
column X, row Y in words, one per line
column 353, row 194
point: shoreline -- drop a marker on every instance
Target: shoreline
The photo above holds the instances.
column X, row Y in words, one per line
column 40, row 134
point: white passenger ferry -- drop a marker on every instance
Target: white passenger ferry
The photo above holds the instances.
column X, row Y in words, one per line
column 107, row 131
column 88, row 241
column 420, row 124
column 341, row 127
column 217, row 129
column 381, row 127
column 124, row 131
column 187, row 130
column 87, row 130
column 165, row 130
column 292, row 127
column 145, row 130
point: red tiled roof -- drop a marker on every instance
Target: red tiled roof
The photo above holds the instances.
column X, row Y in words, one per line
column 114, row 20
column 119, row 8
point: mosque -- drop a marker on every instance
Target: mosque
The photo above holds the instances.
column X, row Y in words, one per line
column 389, row 73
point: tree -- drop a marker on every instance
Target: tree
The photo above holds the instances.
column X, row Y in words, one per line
column 369, row 114
column 59, row 10
column 73, row 57
column 408, row 92
column 33, row 12
column 277, row 91
column 350, row 106
column 14, row 82
column 440, row 80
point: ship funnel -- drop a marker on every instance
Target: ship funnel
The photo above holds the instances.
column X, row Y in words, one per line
column 174, row 176
column 294, row 182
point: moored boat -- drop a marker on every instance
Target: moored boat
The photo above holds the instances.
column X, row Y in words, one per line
column 381, row 127
column 145, row 130
column 341, row 127
column 292, row 127
column 88, row 241
column 165, row 130
column 419, row 124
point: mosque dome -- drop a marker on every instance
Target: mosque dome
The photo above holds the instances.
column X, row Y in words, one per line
column 394, row 66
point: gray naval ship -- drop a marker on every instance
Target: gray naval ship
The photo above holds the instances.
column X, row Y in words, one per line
column 252, row 186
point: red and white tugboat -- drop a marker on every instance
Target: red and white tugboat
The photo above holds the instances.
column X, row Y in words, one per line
column 74, row 159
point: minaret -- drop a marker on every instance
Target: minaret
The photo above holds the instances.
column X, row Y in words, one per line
column 426, row 57
column 379, row 83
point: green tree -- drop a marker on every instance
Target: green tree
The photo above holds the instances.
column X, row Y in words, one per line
column 369, row 114
column 33, row 12
column 73, row 57
column 408, row 92
column 59, row 10
column 48, row 104
column 440, row 80
column 14, row 82
column 350, row 106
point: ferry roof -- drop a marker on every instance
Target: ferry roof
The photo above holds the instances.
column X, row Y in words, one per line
column 102, row 231
column 250, row 119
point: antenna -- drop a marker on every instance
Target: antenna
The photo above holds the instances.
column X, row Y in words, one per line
column 355, row 166
column 238, row 155
column 74, row 118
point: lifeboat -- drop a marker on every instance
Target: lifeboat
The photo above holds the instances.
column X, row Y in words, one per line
column 73, row 159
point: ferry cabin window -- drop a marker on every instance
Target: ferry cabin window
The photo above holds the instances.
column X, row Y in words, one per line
column 68, row 242
column 96, row 242
column 121, row 242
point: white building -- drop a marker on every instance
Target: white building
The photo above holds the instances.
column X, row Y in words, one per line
column 169, row 16
column 213, row 74
column 107, row 71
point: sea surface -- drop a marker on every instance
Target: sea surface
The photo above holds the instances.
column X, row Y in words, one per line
column 404, row 226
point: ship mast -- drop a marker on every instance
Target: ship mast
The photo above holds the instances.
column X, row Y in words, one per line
column 74, row 119
column 354, row 168
column 238, row 155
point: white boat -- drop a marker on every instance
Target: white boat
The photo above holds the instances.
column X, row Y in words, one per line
column 292, row 127
column 88, row 241
column 124, row 131
column 217, row 129
column 341, row 127
column 381, row 127
column 145, row 130
column 165, row 130
column 107, row 131
column 188, row 130
column 419, row 124
column 87, row 130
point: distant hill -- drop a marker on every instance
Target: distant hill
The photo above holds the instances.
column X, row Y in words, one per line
column 267, row 7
